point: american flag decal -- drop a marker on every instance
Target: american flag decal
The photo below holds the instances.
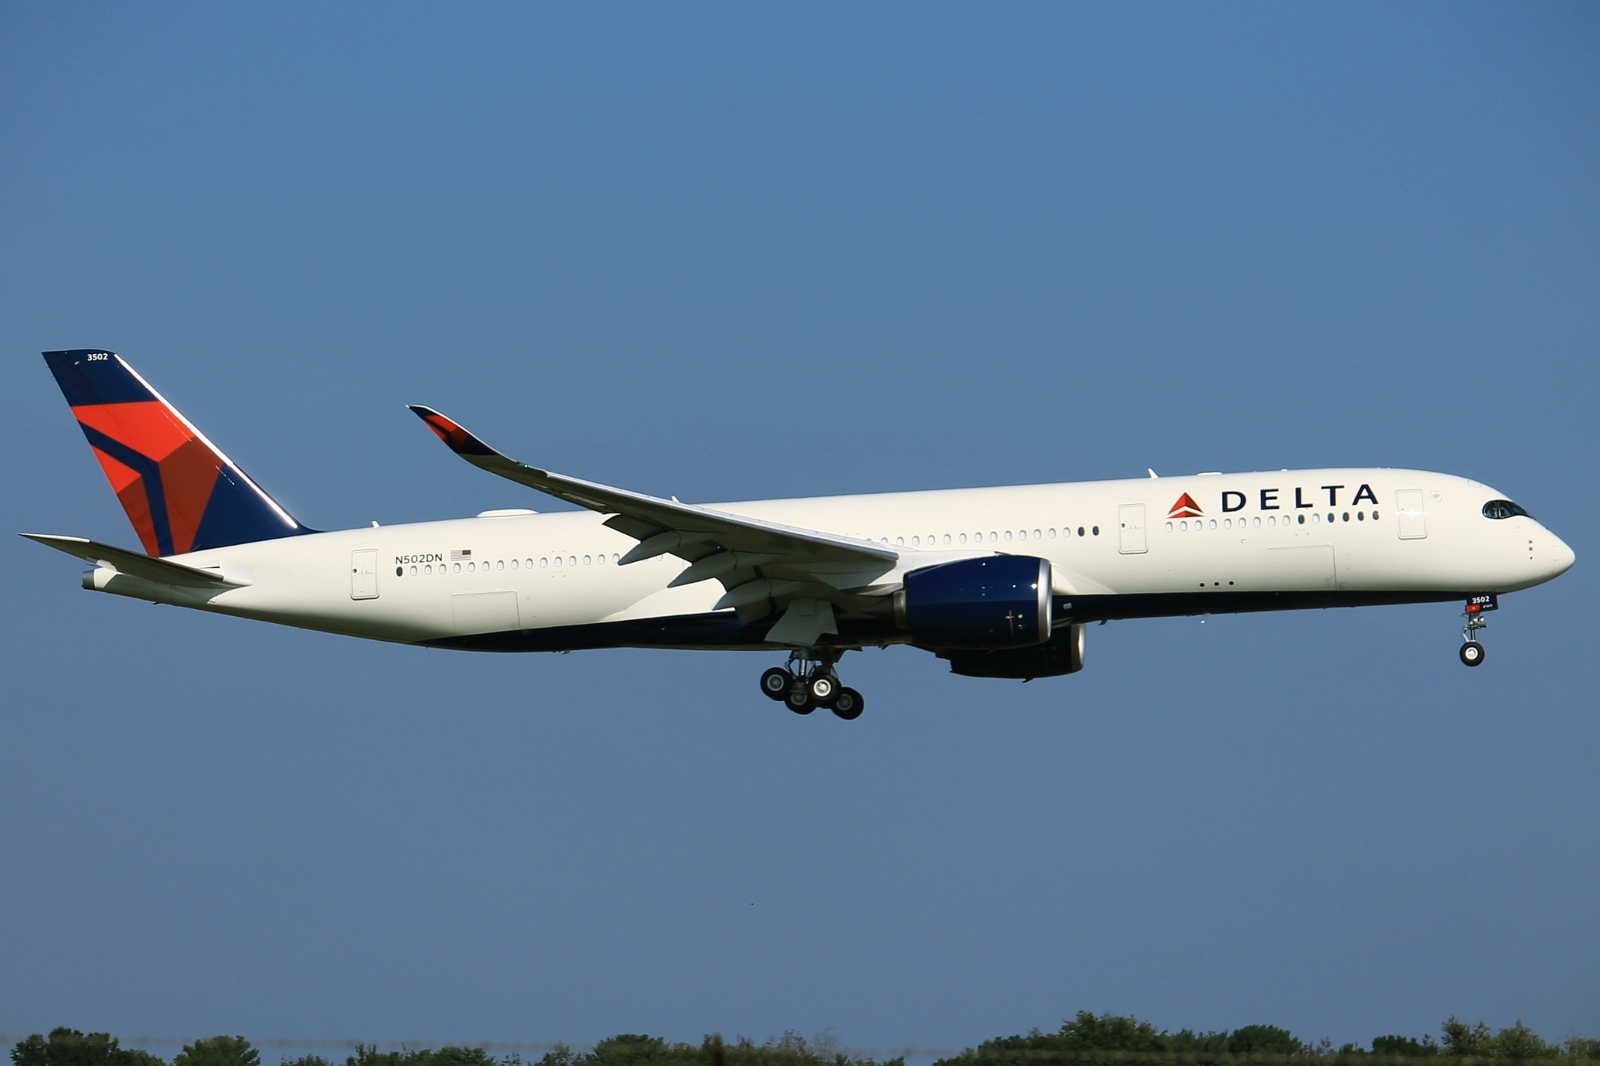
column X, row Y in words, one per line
column 457, row 555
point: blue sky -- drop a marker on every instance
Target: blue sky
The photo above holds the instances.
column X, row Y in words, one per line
column 729, row 252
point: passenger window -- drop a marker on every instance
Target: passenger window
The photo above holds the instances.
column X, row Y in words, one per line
column 1052, row 532
column 586, row 560
column 413, row 571
column 1302, row 519
column 544, row 561
column 1096, row 531
column 514, row 564
column 947, row 538
column 558, row 560
column 916, row 541
column 458, row 568
column 1213, row 523
column 993, row 536
column 500, row 564
column 1272, row 520
column 572, row 560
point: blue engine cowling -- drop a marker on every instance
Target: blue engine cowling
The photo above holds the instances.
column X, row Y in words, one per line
column 979, row 604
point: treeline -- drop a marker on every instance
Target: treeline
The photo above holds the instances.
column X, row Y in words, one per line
column 68, row 1047
column 1088, row 1039
column 1111, row 1038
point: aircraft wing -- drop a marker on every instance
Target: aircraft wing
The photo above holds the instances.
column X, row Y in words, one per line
column 134, row 564
column 760, row 564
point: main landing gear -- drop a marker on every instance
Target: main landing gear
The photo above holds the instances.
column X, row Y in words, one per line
column 808, row 683
column 1472, row 653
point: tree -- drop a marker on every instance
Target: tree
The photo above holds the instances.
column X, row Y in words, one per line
column 1519, row 1042
column 1461, row 1039
column 69, row 1047
column 218, row 1051
column 1404, row 1046
column 1263, row 1040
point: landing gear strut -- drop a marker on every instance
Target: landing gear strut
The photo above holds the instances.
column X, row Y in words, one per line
column 809, row 682
column 1472, row 652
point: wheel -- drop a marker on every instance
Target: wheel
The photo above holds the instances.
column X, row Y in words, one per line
column 799, row 700
column 776, row 683
column 847, row 704
column 823, row 689
column 1472, row 653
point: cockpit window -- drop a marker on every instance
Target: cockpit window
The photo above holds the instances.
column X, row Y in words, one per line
column 1503, row 509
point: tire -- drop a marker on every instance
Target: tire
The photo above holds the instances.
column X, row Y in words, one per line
column 823, row 689
column 848, row 704
column 1472, row 653
column 800, row 701
column 776, row 683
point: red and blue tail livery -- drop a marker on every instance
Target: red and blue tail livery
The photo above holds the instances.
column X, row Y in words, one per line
column 181, row 493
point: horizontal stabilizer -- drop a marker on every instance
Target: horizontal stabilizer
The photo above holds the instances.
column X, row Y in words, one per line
column 134, row 564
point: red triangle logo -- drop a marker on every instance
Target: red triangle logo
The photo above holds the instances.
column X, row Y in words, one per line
column 1185, row 508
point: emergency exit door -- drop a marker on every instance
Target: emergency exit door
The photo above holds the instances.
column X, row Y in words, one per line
column 364, row 574
column 1130, row 529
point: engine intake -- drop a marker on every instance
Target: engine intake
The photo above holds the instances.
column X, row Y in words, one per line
column 978, row 604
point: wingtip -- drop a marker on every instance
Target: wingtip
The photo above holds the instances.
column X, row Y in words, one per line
column 455, row 436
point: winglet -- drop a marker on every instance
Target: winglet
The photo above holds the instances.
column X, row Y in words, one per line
column 459, row 440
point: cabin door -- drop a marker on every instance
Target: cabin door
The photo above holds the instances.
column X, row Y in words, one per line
column 1413, row 520
column 1130, row 529
column 364, row 574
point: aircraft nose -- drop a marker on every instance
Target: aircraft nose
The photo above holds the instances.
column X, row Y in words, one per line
column 1563, row 557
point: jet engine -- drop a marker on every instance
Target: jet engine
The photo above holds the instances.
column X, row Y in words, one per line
column 1061, row 654
column 978, row 604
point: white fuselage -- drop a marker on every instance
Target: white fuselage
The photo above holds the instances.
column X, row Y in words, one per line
column 1354, row 535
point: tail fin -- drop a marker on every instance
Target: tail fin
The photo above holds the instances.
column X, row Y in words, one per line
column 180, row 492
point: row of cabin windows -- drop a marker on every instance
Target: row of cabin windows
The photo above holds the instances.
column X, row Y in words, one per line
column 917, row 540
column 544, row 563
column 934, row 540
column 1182, row 525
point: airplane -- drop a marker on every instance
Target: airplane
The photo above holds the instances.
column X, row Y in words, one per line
column 999, row 582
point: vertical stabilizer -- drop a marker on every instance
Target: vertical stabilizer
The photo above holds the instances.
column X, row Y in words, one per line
column 181, row 493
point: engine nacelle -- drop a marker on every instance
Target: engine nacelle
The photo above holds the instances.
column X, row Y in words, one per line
column 1061, row 654
column 978, row 604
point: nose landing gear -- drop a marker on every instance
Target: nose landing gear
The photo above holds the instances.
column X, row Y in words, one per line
column 808, row 682
column 1472, row 652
